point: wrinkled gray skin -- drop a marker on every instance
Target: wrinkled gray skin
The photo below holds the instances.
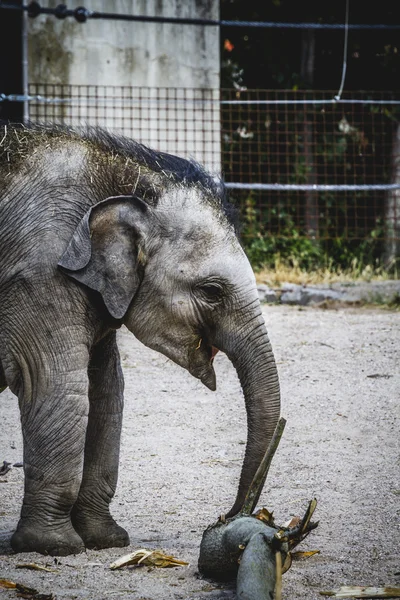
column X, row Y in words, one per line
column 95, row 234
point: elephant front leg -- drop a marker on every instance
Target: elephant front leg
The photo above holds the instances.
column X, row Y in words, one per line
column 54, row 418
column 91, row 514
column 3, row 382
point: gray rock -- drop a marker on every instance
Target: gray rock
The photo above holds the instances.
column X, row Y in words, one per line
column 377, row 292
column 266, row 294
column 292, row 294
column 315, row 295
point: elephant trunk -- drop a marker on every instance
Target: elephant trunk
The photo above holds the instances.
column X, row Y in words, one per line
column 251, row 354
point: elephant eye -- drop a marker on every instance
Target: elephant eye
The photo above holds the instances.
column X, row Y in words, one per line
column 212, row 292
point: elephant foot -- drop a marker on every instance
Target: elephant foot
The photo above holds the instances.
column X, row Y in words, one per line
column 99, row 532
column 60, row 541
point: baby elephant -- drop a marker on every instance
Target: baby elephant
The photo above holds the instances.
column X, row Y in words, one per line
column 98, row 231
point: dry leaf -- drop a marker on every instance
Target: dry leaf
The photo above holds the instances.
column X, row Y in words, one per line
column 35, row 567
column 299, row 555
column 6, row 583
column 32, row 594
column 264, row 515
column 293, row 522
column 359, row 591
column 287, row 564
column 5, row 467
column 296, row 555
column 24, row 591
column 309, row 513
column 150, row 558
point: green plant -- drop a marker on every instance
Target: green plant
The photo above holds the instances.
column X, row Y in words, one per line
column 313, row 145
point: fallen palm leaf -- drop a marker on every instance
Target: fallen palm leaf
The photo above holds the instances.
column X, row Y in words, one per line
column 265, row 515
column 6, row 583
column 24, row 591
column 293, row 522
column 359, row 591
column 296, row 556
column 35, row 567
column 32, row 594
column 149, row 558
column 287, row 564
column 299, row 555
column 307, row 517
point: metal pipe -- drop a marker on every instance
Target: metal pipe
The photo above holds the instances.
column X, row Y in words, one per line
column 24, row 65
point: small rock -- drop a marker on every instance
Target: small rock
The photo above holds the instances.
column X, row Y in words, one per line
column 292, row 294
column 266, row 294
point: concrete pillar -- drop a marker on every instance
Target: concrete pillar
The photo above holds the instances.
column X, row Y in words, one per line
column 155, row 82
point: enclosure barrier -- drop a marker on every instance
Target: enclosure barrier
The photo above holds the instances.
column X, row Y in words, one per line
column 301, row 165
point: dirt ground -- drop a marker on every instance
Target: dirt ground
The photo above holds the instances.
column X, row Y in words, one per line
column 181, row 454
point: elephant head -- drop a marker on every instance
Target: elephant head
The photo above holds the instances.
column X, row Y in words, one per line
column 176, row 275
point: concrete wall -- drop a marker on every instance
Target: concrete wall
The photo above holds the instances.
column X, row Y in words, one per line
column 135, row 55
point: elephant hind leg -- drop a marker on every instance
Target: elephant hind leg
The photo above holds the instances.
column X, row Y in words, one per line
column 91, row 513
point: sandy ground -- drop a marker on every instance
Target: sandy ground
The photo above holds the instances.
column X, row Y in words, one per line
column 182, row 450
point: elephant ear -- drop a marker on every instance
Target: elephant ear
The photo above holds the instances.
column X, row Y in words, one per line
column 104, row 251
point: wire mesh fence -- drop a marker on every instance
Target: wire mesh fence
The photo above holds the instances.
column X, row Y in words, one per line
column 306, row 139
column 311, row 167
column 183, row 121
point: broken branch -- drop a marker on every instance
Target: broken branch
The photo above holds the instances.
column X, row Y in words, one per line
column 260, row 477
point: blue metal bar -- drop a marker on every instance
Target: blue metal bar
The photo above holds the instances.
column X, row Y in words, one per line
column 81, row 14
column 311, row 188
